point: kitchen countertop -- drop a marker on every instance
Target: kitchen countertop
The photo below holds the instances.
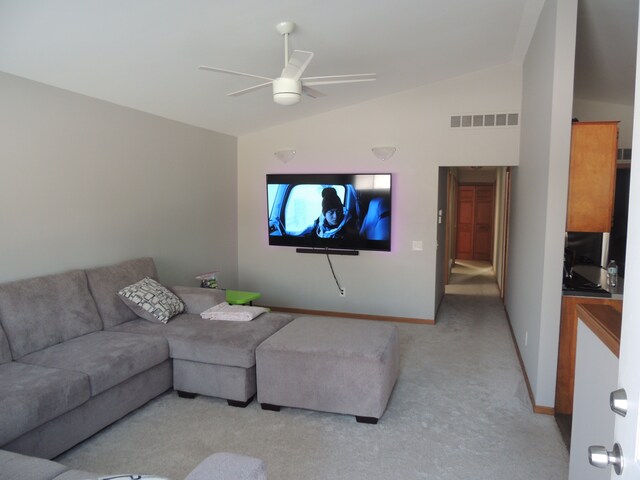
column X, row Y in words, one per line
column 599, row 275
column 605, row 322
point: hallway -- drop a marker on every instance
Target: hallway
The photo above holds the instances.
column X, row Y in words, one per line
column 472, row 277
column 473, row 311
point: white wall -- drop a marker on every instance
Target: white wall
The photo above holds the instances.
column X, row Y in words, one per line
column 400, row 283
column 441, row 234
column 85, row 182
column 482, row 175
column 539, row 196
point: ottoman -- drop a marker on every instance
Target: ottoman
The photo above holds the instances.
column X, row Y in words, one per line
column 329, row 364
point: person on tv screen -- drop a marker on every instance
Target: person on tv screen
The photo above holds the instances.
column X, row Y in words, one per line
column 335, row 221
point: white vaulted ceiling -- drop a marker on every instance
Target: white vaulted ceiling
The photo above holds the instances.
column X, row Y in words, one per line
column 606, row 50
column 144, row 53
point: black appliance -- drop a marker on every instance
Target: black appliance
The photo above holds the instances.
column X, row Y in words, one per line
column 582, row 249
column 586, row 248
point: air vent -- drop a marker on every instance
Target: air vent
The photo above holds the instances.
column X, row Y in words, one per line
column 624, row 154
column 485, row 120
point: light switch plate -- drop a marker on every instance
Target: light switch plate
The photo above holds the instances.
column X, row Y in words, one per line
column 416, row 245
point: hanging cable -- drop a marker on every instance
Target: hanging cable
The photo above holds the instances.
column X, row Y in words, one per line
column 332, row 271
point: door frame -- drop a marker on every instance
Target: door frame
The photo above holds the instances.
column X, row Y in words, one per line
column 505, row 220
column 505, row 234
column 449, row 240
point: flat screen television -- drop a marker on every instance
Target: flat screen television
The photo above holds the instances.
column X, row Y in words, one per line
column 330, row 211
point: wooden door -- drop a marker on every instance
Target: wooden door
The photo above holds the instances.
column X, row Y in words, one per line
column 475, row 222
column 464, row 240
column 483, row 225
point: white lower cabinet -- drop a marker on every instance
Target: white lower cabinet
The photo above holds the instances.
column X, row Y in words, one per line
column 596, row 376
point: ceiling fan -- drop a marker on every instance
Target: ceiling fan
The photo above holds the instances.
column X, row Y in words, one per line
column 288, row 87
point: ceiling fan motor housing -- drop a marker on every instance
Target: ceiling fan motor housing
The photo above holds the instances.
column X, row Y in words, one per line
column 286, row 91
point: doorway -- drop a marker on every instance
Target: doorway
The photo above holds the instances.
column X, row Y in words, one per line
column 489, row 198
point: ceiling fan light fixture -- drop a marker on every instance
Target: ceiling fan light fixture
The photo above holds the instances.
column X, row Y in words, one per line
column 286, row 91
column 286, row 98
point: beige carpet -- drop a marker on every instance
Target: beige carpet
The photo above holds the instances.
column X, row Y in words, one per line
column 460, row 410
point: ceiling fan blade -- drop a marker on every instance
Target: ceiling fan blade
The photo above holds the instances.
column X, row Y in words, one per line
column 247, row 90
column 297, row 64
column 233, row 72
column 312, row 92
column 334, row 79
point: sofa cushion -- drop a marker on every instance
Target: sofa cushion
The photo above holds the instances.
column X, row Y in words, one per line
column 108, row 358
column 106, row 282
column 219, row 466
column 229, row 466
column 32, row 395
column 222, row 343
column 16, row 466
column 43, row 311
column 152, row 301
column 196, row 299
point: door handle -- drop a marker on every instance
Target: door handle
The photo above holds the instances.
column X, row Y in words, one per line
column 599, row 457
column 618, row 402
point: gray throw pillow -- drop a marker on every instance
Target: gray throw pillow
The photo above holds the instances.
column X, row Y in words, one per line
column 151, row 301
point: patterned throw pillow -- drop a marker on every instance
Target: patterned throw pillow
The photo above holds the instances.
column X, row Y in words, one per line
column 151, row 301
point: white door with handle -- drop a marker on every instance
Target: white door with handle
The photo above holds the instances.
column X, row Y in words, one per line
column 627, row 428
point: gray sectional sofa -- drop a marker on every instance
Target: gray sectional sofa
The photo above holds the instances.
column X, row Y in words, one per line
column 74, row 358
column 219, row 466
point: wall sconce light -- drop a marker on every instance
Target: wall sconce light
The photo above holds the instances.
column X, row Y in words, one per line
column 285, row 155
column 383, row 153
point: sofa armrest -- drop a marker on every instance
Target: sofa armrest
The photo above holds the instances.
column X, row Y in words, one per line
column 229, row 466
column 197, row 300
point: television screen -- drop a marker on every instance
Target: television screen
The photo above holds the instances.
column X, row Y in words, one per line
column 341, row 211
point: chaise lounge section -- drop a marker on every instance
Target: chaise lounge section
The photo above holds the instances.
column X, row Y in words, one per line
column 216, row 359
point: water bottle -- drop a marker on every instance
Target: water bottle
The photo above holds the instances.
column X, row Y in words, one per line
column 612, row 273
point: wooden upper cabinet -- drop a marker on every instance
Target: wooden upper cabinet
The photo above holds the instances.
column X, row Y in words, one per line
column 592, row 176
